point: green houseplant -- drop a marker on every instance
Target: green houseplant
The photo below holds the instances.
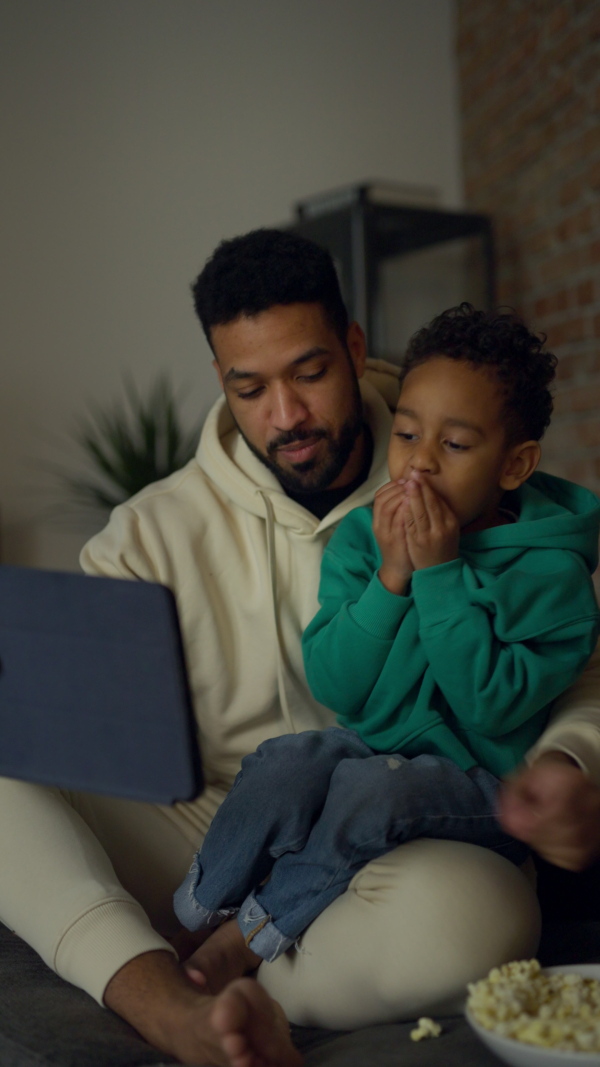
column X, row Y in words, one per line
column 130, row 444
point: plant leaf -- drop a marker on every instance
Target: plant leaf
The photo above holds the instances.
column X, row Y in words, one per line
column 137, row 441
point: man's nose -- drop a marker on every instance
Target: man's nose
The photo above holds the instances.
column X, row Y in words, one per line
column 287, row 407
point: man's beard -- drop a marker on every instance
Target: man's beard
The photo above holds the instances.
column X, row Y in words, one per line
column 312, row 476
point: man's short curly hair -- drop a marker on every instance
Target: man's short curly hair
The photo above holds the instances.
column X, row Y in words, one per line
column 254, row 272
column 500, row 343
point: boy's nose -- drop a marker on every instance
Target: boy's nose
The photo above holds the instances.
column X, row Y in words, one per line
column 423, row 460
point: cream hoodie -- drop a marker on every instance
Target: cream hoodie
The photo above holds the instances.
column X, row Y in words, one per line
column 243, row 561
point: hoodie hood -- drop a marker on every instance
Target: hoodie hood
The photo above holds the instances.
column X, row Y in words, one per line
column 552, row 513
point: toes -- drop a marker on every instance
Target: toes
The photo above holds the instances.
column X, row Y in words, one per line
column 252, row 1027
column 230, row 1012
column 196, row 976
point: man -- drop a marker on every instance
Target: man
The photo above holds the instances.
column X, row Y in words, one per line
column 238, row 535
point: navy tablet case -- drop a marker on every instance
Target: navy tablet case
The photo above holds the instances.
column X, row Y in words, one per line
column 93, row 687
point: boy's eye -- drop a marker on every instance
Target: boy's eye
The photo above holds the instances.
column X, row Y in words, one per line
column 454, row 446
column 405, row 436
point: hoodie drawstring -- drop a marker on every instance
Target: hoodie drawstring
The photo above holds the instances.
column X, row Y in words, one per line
column 271, row 559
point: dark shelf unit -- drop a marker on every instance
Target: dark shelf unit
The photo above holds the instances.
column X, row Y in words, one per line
column 364, row 234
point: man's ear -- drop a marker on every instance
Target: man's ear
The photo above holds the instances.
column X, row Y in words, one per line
column 357, row 346
column 520, row 464
column 219, row 374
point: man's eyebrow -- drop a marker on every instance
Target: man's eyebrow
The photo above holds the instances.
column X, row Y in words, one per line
column 234, row 375
column 462, row 423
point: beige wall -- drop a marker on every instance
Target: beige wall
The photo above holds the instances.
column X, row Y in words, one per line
column 141, row 132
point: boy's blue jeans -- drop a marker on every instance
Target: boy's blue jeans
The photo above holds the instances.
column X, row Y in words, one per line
column 310, row 810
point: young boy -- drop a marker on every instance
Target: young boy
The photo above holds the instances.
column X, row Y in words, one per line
column 453, row 612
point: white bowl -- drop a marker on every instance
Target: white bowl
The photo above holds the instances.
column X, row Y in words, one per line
column 519, row 1054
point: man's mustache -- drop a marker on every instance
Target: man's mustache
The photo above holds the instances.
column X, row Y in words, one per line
column 292, row 437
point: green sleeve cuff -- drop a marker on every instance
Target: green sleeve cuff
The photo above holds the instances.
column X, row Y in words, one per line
column 439, row 592
column 378, row 611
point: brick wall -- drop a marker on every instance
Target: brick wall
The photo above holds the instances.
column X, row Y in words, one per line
column 530, row 96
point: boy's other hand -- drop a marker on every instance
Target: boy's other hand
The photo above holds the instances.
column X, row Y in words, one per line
column 388, row 528
column 554, row 807
column 432, row 529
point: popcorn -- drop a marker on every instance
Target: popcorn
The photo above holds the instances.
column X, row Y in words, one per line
column 523, row 1002
column 426, row 1027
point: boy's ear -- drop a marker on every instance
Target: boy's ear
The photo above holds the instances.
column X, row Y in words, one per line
column 520, row 464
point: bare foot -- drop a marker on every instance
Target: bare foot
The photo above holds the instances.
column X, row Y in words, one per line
column 242, row 1027
column 223, row 957
column 253, row 1029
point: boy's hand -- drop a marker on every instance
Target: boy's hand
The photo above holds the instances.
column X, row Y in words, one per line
column 388, row 528
column 432, row 530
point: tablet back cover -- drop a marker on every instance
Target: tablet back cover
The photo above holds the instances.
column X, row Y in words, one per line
column 93, row 687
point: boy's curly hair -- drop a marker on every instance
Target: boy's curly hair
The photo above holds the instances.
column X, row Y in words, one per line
column 500, row 343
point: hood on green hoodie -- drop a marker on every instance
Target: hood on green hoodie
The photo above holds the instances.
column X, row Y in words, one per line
column 551, row 511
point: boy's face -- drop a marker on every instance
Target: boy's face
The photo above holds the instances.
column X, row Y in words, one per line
column 448, row 427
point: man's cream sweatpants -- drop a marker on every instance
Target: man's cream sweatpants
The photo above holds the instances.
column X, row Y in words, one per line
column 87, row 881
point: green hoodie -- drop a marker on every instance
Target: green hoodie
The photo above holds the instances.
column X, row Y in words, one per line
column 468, row 662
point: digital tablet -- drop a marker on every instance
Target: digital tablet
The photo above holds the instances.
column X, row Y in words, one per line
column 93, row 687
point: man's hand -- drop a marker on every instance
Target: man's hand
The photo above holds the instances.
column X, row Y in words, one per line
column 388, row 528
column 432, row 530
column 554, row 807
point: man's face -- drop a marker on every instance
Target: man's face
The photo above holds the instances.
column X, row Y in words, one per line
column 292, row 388
column 448, row 426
